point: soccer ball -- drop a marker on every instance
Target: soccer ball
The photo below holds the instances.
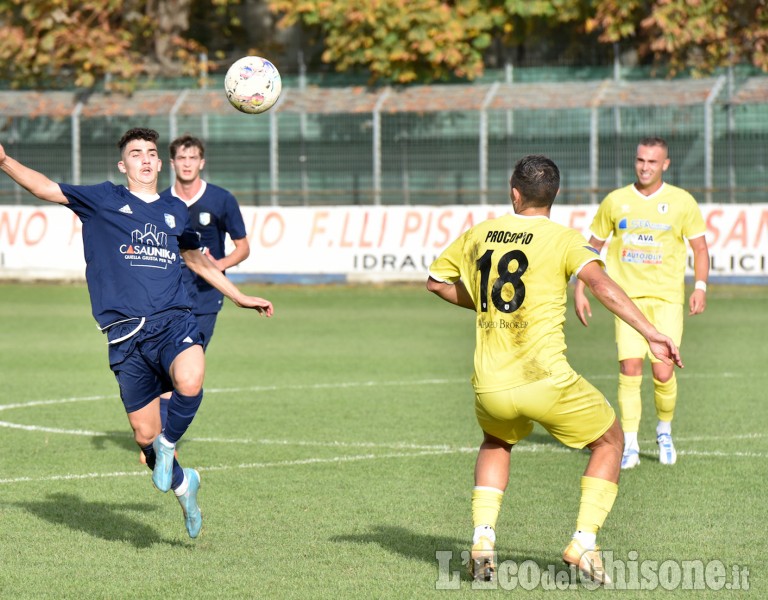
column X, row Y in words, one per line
column 253, row 84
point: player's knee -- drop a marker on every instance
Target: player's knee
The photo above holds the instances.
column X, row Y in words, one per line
column 631, row 368
column 145, row 434
column 189, row 382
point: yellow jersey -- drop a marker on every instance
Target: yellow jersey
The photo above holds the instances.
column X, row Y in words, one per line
column 647, row 251
column 516, row 269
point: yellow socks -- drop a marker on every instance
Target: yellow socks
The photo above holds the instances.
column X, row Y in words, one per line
column 597, row 497
column 486, row 505
column 630, row 403
column 665, row 396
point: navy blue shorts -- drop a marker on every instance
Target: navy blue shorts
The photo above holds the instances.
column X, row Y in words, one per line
column 206, row 323
column 141, row 362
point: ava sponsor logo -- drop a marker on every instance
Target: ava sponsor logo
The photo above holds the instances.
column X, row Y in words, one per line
column 640, row 239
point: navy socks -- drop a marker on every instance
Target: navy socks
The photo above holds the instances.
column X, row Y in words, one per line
column 181, row 411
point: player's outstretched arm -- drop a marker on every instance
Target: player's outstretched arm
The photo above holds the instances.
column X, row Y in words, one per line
column 455, row 293
column 34, row 182
column 608, row 292
column 203, row 267
column 580, row 300
column 581, row 303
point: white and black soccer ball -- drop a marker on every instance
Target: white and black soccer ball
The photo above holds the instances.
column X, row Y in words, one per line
column 253, row 84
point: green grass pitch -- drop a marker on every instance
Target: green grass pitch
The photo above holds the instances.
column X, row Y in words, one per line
column 336, row 444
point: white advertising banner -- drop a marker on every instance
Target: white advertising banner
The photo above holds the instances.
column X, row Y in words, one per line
column 356, row 243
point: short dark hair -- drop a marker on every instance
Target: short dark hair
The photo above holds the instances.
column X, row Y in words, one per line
column 654, row 140
column 137, row 133
column 186, row 141
column 537, row 178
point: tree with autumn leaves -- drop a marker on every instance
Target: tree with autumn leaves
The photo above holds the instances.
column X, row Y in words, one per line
column 80, row 43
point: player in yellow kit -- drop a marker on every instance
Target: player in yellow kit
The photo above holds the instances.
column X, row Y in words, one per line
column 648, row 223
column 513, row 272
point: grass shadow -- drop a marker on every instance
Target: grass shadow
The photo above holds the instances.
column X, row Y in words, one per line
column 108, row 521
column 453, row 552
column 120, row 439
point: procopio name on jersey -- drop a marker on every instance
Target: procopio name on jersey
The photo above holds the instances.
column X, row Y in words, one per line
column 508, row 237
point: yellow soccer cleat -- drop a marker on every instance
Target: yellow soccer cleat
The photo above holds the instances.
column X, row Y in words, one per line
column 589, row 562
column 482, row 560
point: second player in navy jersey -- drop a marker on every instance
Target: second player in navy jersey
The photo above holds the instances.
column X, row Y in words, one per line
column 214, row 214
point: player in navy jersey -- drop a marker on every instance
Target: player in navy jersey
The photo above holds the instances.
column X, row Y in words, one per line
column 214, row 213
column 133, row 243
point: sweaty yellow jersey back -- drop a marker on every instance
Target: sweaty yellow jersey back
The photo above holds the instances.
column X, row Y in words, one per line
column 516, row 269
column 646, row 255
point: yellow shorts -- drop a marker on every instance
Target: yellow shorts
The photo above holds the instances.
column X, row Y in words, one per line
column 665, row 316
column 570, row 408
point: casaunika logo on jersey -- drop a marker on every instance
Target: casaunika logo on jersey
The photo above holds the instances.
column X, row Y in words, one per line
column 148, row 248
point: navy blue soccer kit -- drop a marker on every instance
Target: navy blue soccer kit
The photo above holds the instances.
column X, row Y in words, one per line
column 213, row 214
column 133, row 270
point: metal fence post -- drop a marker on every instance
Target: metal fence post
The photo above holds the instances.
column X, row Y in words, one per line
column 709, row 140
column 274, row 159
column 376, row 116
column 173, row 125
column 76, row 148
column 483, row 149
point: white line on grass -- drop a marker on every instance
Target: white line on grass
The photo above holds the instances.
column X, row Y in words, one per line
column 265, row 465
column 438, row 451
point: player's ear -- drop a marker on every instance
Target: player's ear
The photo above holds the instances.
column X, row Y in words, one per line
column 159, row 165
column 665, row 165
column 202, row 164
column 121, row 166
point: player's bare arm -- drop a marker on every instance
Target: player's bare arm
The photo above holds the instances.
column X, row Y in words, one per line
column 698, row 300
column 580, row 300
column 34, row 182
column 455, row 293
column 610, row 294
column 203, row 267
column 239, row 254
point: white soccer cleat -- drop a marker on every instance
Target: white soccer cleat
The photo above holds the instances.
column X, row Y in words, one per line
column 667, row 452
column 630, row 459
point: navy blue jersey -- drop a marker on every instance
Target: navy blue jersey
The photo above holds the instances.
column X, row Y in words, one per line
column 214, row 214
column 133, row 265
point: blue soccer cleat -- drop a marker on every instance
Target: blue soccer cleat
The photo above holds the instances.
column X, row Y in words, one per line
column 193, row 518
column 163, row 471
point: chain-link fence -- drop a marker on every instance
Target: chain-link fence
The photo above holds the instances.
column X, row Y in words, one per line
column 440, row 144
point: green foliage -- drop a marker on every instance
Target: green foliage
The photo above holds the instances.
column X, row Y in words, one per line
column 700, row 36
column 402, row 41
column 419, row 40
column 64, row 43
